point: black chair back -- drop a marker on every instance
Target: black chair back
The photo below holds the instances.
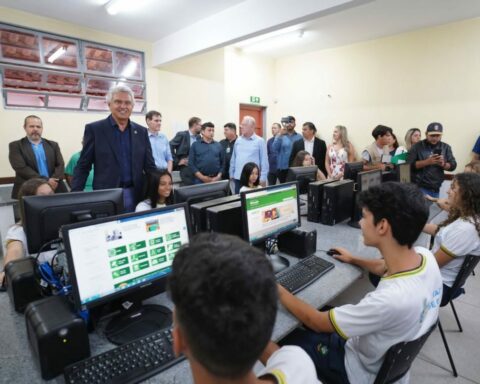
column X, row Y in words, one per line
column 465, row 271
column 399, row 359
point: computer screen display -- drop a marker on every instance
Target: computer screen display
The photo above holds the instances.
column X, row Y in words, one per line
column 351, row 170
column 270, row 211
column 304, row 176
column 368, row 179
column 404, row 173
column 119, row 255
column 193, row 194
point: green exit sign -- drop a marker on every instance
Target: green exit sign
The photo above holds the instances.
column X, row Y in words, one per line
column 255, row 99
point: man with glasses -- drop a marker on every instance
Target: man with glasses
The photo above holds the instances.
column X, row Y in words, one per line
column 118, row 148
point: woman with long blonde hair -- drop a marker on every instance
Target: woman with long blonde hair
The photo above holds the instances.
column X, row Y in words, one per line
column 339, row 152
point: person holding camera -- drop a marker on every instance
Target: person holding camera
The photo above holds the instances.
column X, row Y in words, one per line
column 430, row 158
column 283, row 144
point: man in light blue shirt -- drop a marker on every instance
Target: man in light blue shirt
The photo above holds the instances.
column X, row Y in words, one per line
column 283, row 144
column 248, row 148
column 159, row 142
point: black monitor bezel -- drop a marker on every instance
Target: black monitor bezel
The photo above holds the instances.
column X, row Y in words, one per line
column 177, row 192
column 243, row 197
column 357, row 168
column 32, row 208
column 131, row 291
column 360, row 174
column 295, row 172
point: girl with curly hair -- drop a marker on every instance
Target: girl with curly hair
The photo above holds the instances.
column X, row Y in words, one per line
column 459, row 235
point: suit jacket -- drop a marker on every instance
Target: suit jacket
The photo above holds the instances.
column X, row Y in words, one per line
column 99, row 150
column 180, row 147
column 319, row 152
column 24, row 163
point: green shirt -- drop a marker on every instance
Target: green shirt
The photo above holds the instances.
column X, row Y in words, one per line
column 71, row 167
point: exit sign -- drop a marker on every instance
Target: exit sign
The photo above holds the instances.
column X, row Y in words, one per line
column 255, row 99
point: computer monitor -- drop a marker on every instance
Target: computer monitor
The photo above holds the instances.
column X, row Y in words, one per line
column 193, row 194
column 351, row 170
column 404, row 173
column 126, row 259
column 304, row 176
column 365, row 180
column 269, row 212
column 44, row 215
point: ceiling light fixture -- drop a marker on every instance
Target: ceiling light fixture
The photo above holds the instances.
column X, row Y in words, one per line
column 271, row 42
column 55, row 55
column 115, row 6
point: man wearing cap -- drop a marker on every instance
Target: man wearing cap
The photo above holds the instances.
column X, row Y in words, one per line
column 283, row 144
column 430, row 158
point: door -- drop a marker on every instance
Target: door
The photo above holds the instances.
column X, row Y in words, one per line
column 258, row 113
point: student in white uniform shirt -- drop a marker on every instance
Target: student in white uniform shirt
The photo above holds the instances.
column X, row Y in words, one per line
column 159, row 191
column 16, row 241
column 250, row 177
column 459, row 235
column 348, row 343
column 225, row 299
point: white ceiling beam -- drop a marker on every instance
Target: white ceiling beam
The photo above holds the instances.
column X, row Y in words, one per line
column 244, row 20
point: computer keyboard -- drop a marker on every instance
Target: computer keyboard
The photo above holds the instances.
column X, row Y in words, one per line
column 304, row 273
column 129, row 363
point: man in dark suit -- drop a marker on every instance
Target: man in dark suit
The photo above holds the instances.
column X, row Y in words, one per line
column 34, row 156
column 119, row 150
column 180, row 148
column 312, row 144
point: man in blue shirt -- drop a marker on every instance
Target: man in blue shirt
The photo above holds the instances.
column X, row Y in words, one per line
column 206, row 158
column 160, row 146
column 34, row 156
column 476, row 150
column 283, row 144
column 248, row 148
column 272, row 155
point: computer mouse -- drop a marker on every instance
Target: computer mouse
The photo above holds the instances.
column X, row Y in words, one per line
column 332, row 252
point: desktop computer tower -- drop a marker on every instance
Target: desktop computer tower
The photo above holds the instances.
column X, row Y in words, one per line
column 315, row 199
column 337, row 202
column 199, row 215
column 226, row 218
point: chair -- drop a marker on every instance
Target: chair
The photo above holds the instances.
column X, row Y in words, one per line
column 399, row 359
column 465, row 271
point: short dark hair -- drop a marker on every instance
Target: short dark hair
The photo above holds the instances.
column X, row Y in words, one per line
column 246, row 172
column 153, row 181
column 231, row 126
column 29, row 188
column 225, row 299
column 381, row 130
column 208, row 124
column 310, row 126
column 151, row 114
column 402, row 205
column 193, row 121
column 30, row 117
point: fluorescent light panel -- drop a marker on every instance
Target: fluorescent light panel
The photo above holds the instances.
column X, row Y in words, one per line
column 116, row 6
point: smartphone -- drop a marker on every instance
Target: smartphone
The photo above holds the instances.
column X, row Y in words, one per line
column 437, row 151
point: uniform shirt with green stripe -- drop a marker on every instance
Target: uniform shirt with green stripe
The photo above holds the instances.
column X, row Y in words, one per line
column 458, row 239
column 403, row 307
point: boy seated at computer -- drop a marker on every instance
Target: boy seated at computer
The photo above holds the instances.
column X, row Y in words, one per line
column 348, row 343
column 225, row 299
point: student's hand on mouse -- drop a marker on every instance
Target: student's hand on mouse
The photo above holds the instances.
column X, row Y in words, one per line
column 343, row 255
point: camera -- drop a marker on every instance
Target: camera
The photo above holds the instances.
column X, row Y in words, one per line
column 286, row 120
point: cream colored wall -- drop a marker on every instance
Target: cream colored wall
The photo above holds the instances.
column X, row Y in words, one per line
column 404, row 81
column 245, row 76
column 65, row 127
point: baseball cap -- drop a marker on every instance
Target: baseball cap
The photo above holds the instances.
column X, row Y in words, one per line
column 434, row 129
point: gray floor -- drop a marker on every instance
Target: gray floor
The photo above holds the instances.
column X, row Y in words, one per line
column 431, row 365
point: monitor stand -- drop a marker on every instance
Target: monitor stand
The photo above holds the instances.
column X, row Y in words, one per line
column 279, row 263
column 137, row 321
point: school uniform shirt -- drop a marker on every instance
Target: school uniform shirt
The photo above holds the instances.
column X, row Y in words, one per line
column 245, row 189
column 457, row 240
column 146, row 205
column 290, row 365
column 16, row 233
column 402, row 308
